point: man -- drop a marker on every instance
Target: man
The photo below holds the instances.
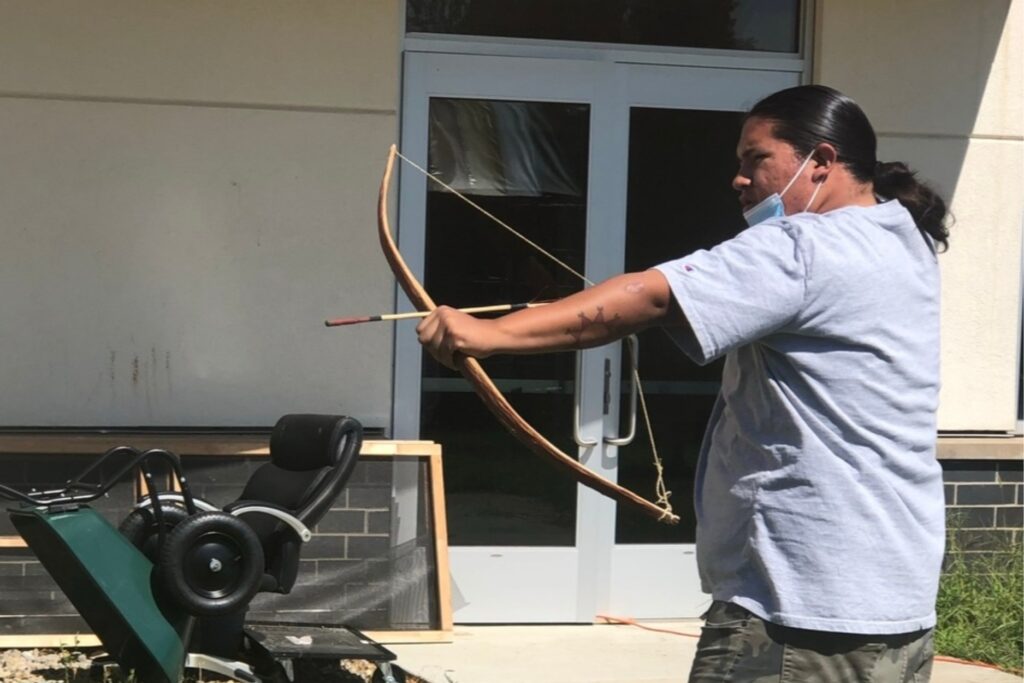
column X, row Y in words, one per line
column 820, row 511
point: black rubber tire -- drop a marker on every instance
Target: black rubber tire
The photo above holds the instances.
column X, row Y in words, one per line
column 211, row 564
column 140, row 527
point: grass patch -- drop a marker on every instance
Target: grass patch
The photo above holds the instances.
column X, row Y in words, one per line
column 981, row 605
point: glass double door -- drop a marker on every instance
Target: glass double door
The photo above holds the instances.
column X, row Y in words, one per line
column 594, row 169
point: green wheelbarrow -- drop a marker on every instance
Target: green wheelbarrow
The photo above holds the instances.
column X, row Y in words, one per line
column 169, row 588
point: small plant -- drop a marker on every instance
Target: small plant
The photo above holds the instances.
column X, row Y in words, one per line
column 980, row 606
column 68, row 659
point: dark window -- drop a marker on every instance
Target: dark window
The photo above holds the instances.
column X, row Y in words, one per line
column 674, row 209
column 763, row 25
column 527, row 164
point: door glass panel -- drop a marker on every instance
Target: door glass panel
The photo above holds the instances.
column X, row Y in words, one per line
column 526, row 163
column 765, row 25
column 681, row 165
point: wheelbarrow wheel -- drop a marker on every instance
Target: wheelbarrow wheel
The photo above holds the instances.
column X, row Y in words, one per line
column 141, row 530
column 211, row 564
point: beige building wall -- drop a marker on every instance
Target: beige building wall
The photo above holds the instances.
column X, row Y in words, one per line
column 188, row 191
column 942, row 81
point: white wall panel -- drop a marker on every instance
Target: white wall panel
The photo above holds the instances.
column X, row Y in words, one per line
column 980, row 279
column 942, row 81
column 169, row 265
column 940, row 67
column 188, row 191
column 328, row 53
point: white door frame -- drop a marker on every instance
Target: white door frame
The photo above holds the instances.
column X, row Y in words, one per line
column 660, row 580
column 551, row 576
column 596, row 576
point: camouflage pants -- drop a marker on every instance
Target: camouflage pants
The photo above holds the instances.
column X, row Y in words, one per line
column 737, row 647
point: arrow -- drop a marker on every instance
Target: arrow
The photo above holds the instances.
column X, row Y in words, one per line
column 337, row 322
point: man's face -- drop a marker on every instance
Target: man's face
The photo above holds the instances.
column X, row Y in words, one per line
column 766, row 165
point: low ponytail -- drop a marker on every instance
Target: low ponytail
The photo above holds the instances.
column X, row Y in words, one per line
column 895, row 180
column 807, row 115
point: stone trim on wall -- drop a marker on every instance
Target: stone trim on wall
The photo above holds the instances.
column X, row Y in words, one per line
column 1007, row 447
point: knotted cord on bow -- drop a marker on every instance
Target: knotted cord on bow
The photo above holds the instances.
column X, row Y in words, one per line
column 485, row 387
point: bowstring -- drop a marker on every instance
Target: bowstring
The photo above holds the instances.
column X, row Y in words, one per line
column 661, row 490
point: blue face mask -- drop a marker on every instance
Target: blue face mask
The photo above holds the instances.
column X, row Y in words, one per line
column 772, row 206
column 769, row 207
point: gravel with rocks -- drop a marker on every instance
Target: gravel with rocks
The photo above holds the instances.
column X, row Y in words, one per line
column 74, row 666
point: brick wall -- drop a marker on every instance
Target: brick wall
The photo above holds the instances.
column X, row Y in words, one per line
column 354, row 573
column 984, row 503
column 351, row 572
column 30, row 601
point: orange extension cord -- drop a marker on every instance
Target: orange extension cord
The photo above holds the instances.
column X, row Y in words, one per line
column 628, row 621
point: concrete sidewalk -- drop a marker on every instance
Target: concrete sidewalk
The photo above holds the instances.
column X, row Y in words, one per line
column 589, row 654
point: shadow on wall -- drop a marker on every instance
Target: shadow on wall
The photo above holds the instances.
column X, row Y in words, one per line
column 925, row 72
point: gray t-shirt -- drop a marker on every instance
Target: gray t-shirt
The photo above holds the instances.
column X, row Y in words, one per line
column 819, row 499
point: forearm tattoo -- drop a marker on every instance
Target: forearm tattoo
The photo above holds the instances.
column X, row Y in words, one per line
column 612, row 325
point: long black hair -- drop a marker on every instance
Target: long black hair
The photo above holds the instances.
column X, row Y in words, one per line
column 808, row 115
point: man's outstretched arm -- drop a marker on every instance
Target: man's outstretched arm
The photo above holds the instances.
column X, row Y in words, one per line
column 598, row 315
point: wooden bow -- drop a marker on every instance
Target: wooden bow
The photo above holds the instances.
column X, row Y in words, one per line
column 486, row 389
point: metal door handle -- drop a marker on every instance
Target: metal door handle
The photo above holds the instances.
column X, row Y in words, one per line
column 580, row 441
column 633, row 346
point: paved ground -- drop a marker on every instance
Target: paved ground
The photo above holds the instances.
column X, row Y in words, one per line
column 589, row 654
